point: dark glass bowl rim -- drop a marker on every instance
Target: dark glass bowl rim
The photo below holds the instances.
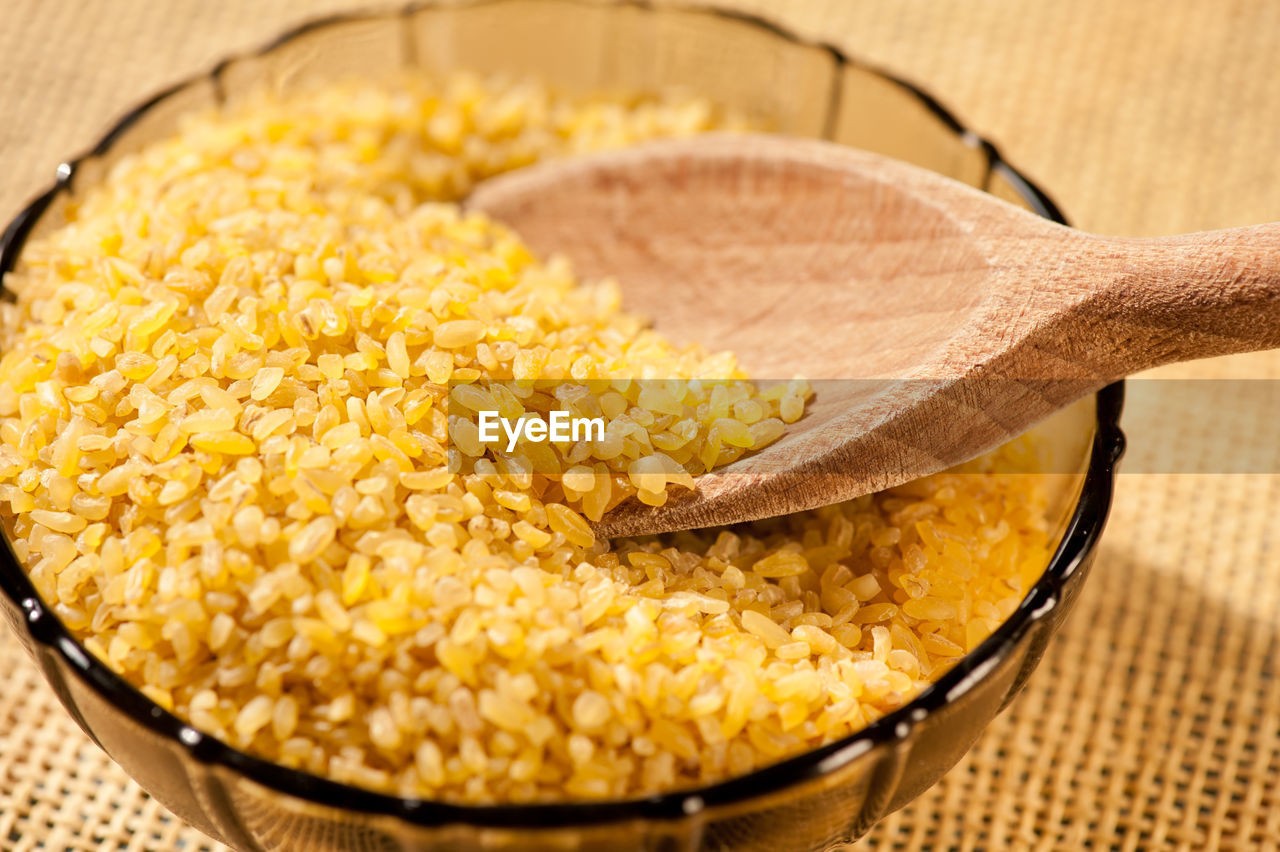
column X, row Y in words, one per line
column 1080, row 537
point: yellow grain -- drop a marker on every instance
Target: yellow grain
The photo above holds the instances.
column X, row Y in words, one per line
column 226, row 446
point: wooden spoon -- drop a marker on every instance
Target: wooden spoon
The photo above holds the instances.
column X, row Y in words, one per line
column 935, row 320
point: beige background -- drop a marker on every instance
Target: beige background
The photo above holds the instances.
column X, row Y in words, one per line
column 1154, row 722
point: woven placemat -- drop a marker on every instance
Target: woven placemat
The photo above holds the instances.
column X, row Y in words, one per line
column 1154, row 721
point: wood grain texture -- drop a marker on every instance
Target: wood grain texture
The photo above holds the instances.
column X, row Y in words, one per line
column 946, row 321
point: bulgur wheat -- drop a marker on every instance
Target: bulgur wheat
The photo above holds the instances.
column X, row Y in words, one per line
column 223, row 444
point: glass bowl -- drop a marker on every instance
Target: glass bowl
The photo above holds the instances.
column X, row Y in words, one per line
column 813, row 801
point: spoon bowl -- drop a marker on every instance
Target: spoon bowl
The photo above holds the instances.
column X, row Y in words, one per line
column 935, row 321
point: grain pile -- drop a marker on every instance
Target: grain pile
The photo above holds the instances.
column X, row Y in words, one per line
column 224, row 399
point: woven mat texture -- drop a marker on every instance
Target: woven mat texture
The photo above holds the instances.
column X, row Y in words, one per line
column 1154, row 720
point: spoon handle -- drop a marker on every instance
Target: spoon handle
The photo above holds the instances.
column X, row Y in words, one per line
column 1214, row 293
column 1113, row 306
